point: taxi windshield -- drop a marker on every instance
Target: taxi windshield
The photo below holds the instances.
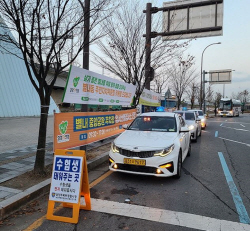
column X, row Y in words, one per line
column 154, row 123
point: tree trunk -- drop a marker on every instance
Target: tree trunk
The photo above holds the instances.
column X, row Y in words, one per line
column 40, row 154
column 178, row 104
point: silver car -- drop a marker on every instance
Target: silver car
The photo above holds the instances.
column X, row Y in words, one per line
column 202, row 116
column 194, row 123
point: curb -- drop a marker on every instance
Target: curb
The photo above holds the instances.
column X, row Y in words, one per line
column 9, row 206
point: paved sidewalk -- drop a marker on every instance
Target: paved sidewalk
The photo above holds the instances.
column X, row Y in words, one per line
column 18, row 142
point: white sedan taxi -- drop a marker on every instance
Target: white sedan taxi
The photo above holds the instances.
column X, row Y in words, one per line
column 155, row 143
column 202, row 116
column 193, row 122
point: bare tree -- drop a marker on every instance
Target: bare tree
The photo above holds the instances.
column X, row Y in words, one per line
column 124, row 46
column 161, row 81
column 216, row 101
column 209, row 95
column 41, row 30
column 193, row 92
column 182, row 74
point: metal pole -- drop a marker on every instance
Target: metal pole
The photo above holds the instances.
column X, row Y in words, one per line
column 86, row 35
column 85, row 65
column 148, row 46
column 223, row 90
column 204, row 104
column 201, row 99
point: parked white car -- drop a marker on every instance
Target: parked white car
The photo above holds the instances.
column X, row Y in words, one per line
column 193, row 122
column 202, row 116
column 155, row 143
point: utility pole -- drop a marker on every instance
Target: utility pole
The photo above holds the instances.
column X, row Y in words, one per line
column 148, row 46
column 85, row 65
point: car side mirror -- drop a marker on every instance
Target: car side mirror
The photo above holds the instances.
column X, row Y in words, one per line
column 125, row 126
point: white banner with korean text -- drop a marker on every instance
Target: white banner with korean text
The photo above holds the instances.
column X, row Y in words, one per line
column 150, row 98
column 87, row 87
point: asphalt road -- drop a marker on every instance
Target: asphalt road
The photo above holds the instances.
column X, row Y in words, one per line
column 214, row 188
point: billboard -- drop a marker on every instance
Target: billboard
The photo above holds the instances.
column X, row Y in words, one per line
column 150, row 98
column 87, row 87
column 184, row 19
column 74, row 129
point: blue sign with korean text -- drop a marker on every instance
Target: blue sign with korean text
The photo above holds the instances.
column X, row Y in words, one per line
column 66, row 176
column 67, row 164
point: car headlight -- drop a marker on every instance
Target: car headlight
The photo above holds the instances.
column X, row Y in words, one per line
column 165, row 151
column 203, row 120
column 191, row 127
column 114, row 148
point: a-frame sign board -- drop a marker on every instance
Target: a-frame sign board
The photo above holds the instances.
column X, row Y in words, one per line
column 68, row 184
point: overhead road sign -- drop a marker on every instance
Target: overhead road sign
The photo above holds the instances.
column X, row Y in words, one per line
column 220, row 76
column 192, row 19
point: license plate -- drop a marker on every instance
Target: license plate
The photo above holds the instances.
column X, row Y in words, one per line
column 134, row 161
column 224, row 114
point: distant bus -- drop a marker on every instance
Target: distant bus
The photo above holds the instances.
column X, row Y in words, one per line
column 229, row 107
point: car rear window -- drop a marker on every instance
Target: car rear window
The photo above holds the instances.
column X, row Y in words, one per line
column 200, row 113
column 189, row 116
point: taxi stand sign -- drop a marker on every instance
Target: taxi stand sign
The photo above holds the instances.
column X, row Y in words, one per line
column 69, row 182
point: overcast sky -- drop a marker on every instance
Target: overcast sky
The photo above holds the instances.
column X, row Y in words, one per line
column 234, row 50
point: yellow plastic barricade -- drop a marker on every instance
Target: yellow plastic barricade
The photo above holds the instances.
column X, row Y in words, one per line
column 69, row 183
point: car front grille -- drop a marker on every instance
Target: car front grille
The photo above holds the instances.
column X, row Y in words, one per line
column 128, row 153
column 134, row 168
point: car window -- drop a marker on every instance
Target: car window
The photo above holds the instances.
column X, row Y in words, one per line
column 154, row 123
column 200, row 113
column 189, row 116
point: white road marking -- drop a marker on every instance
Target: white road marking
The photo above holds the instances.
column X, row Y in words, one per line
column 238, row 129
column 166, row 216
column 227, row 122
column 243, row 125
column 205, row 131
column 235, row 141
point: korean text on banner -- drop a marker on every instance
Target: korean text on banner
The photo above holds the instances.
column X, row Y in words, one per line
column 75, row 129
column 150, row 98
column 87, row 87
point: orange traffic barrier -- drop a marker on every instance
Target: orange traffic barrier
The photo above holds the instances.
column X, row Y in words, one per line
column 69, row 184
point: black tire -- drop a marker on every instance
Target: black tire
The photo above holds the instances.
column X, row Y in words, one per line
column 196, row 134
column 189, row 148
column 179, row 164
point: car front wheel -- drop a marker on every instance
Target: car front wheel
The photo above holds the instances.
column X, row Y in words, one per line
column 189, row 149
column 179, row 164
column 196, row 136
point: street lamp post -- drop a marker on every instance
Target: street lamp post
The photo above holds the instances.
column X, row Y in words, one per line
column 201, row 89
